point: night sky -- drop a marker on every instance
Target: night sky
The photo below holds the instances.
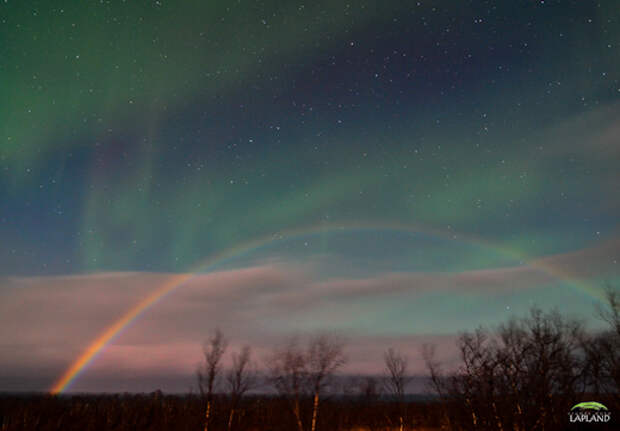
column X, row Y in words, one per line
column 394, row 171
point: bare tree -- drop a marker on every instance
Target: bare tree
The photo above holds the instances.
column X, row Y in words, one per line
column 241, row 378
column 428, row 353
column 396, row 366
column 610, row 312
column 208, row 372
column 603, row 350
column 297, row 373
column 369, row 392
column 287, row 373
column 368, row 388
column 437, row 378
column 324, row 356
column 522, row 376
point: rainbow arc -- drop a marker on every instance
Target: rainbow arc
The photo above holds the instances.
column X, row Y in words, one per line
column 97, row 345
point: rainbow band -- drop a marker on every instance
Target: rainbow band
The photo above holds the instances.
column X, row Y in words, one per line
column 105, row 338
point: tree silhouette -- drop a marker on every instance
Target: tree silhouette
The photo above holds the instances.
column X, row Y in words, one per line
column 522, row 376
column 297, row 373
column 240, row 378
column 208, row 372
column 396, row 365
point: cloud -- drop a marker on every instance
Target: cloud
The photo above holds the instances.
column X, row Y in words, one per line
column 592, row 133
column 45, row 322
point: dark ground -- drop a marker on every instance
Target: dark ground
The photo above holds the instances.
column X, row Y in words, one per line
column 157, row 411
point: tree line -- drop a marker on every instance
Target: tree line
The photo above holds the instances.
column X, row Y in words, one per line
column 523, row 375
column 527, row 373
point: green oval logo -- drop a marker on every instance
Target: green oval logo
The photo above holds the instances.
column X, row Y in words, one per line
column 589, row 405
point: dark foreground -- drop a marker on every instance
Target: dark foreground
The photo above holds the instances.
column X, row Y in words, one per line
column 157, row 411
column 172, row 412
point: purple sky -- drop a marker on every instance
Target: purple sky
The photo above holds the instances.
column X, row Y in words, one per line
column 45, row 322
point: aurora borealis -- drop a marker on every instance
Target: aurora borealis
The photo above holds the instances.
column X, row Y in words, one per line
column 395, row 171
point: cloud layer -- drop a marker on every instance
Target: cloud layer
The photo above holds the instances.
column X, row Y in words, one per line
column 45, row 322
